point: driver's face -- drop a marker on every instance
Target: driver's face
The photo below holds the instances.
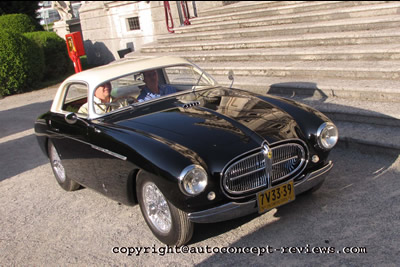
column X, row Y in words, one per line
column 103, row 91
column 150, row 77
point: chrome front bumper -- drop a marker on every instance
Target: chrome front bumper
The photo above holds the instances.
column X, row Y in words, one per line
column 234, row 210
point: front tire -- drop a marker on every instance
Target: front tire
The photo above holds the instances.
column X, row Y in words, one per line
column 168, row 223
column 58, row 169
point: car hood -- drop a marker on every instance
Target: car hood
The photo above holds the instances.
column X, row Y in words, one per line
column 217, row 124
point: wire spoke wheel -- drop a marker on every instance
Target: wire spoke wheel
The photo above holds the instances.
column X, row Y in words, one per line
column 59, row 170
column 168, row 223
column 157, row 208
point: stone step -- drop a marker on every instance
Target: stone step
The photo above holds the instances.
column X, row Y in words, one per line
column 352, row 52
column 386, row 36
column 352, row 24
column 262, row 17
column 273, row 77
column 364, row 70
column 369, row 138
column 278, row 7
column 386, row 70
column 269, row 77
column 368, row 125
column 243, row 6
column 355, row 110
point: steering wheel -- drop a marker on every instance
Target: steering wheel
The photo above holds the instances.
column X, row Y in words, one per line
column 124, row 100
column 118, row 102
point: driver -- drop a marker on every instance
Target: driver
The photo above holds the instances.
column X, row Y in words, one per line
column 152, row 89
column 102, row 100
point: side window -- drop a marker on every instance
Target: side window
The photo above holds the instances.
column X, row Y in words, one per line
column 75, row 98
column 184, row 75
column 181, row 75
column 127, row 85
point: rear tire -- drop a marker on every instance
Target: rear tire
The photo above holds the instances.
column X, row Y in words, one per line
column 58, row 169
column 168, row 223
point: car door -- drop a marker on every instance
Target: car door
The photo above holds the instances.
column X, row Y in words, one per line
column 72, row 139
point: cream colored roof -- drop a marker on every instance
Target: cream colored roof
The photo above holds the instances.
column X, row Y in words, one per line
column 96, row 76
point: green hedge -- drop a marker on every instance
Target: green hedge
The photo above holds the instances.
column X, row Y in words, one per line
column 22, row 63
column 19, row 23
column 57, row 61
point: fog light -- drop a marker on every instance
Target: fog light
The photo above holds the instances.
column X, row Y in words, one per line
column 211, row 195
column 315, row 159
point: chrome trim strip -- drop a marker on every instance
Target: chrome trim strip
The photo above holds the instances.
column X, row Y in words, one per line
column 234, row 210
column 288, row 159
column 312, row 179
column 247, row 173
column 109, row 152
column 93, row 146
column 224, row 212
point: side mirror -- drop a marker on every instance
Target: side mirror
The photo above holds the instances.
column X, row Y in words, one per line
column 231, row 77
column 71, row 118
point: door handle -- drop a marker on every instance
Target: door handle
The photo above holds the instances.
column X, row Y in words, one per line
column 53, row 128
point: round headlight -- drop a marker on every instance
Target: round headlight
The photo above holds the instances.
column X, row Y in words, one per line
column 193, row 180
column 327, row 135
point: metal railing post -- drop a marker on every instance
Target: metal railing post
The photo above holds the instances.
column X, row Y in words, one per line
column 168, row 17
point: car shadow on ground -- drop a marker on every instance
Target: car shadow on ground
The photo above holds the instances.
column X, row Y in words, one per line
column 20, row 155
column 356, row 207
column 21, row 152
column 22, row 118
column 302, row 89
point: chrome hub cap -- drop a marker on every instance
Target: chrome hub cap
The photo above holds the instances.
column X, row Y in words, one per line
column 56, row 164
column 156, row 207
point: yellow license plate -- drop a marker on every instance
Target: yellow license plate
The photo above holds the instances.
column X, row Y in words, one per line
column 276, row 196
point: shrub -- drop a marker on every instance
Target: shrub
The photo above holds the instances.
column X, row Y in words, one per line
column 22, row 63
column 19, row 23
column 57, row 62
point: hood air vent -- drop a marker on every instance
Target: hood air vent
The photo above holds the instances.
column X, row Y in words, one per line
column 191, row 104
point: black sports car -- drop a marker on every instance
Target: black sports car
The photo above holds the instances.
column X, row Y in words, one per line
column 160, row 132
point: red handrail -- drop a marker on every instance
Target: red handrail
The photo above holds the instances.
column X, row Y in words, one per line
column 186, row 14
column 168, row 17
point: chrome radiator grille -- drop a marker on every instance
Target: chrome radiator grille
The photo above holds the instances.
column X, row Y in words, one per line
column 286, row 160
column 250, row 173
column 246, row 174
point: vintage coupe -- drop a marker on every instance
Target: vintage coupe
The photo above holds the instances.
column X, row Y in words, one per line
column 203, row 154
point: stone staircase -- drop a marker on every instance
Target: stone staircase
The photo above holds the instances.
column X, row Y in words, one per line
column 341, row 57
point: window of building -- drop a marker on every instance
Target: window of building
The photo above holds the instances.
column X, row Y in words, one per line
column 133, row 23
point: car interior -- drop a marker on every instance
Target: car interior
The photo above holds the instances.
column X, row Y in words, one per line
column 180, row 77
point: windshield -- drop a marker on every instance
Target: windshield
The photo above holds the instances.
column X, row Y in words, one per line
column 146, row 85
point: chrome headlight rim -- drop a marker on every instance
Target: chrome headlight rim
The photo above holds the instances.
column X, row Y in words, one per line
column 323, row 144
column 185, row 180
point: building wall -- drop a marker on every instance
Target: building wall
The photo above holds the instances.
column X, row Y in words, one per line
column 105, row 29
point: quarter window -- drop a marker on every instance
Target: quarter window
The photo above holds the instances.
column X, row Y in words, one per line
column 75, row 97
